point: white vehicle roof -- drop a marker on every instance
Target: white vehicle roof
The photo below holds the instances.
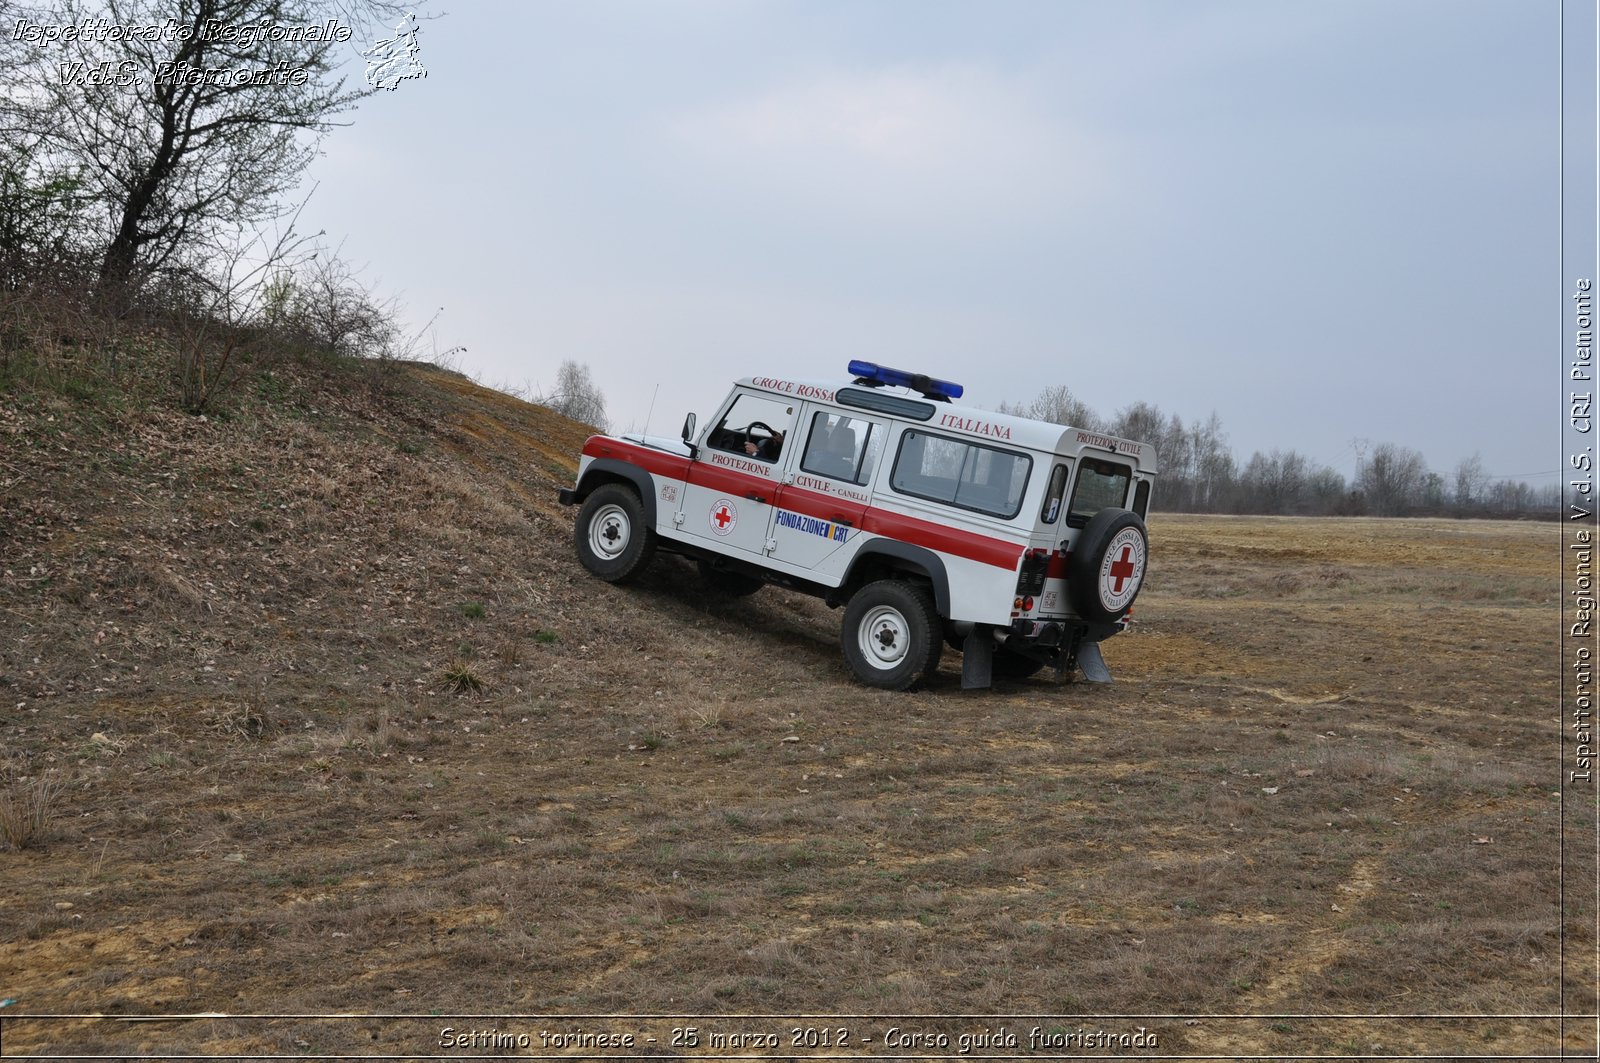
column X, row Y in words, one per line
column 985, row 425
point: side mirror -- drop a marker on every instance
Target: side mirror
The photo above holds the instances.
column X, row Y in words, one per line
column 689, row 423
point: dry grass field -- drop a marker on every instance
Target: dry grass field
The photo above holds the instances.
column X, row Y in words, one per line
column 327, row 719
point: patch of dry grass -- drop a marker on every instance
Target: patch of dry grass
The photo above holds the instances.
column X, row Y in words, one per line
column 27, row 806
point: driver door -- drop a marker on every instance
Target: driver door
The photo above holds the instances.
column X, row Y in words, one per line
column 728, row 493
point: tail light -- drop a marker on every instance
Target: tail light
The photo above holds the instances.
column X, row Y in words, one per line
column 1031, row 574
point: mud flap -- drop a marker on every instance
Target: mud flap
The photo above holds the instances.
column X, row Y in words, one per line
column 1093, row 665
column 977, row 658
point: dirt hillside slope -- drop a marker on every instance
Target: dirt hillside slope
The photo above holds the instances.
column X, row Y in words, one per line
column 332, row 721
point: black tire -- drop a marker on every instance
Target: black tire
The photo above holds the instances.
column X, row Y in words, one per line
column 891, row 634
column 727, row 584
column 1108, row 565
column 611, row 535
column 1009, row 664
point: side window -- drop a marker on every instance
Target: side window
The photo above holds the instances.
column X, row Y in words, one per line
column 1141, row 498
column 969, row 475
column 1100, row 484
column 1053, row 495
column 754, row 426
column 838, row 447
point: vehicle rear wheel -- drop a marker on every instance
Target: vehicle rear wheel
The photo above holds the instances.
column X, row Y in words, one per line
column 613, row 540
column 729, row 584
column 891, row 635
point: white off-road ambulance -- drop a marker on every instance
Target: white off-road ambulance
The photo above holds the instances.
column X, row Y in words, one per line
column 1021, row 542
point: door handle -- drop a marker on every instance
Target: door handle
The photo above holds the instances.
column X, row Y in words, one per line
column 846, row 521
column 752, row 496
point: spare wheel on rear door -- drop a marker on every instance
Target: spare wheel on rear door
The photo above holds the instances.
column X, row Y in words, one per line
column 1107, row 567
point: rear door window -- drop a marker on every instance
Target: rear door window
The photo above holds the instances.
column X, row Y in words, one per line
column 1100, row 484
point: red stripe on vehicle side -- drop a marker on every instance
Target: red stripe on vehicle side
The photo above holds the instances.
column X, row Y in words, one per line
column 822, row 506
column 733, row 482
column 941, row 538
column 925, row 533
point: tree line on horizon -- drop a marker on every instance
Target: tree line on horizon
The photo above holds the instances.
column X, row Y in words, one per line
column 1200, row 474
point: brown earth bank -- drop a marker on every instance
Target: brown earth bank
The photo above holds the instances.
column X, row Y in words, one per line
column 329, row 720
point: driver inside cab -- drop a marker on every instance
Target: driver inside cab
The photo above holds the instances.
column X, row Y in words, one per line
column 766, row 449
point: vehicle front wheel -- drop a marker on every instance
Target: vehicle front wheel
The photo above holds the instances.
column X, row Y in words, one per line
column 891, row 635
column 614, row 542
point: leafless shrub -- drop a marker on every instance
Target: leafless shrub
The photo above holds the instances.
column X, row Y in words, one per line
column 336, row 312
column 218, row 304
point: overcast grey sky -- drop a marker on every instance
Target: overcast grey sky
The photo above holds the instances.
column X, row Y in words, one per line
column 1322, row 221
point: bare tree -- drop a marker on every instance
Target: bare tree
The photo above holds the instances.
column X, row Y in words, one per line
column 1324, row 491
column 1213, row 466
column 1058, row 405
column 1510, row 498
column 192, row 120
column 577, row 396
column 1472, row 483
column 1140, row 421
column 1274, row 483
column 1393, row 479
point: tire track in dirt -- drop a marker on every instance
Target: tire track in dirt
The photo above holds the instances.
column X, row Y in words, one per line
column 1319, row 948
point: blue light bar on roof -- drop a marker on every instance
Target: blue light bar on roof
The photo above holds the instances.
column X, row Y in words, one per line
column 874, row 375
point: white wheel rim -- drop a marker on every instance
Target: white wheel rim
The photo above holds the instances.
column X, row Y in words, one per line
column 609, row 532
column 885, row 637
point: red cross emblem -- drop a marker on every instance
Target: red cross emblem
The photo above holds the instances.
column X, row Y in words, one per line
column 1122, row 568
column 722, row 517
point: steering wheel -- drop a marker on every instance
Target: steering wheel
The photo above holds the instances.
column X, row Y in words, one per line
column 766, row 428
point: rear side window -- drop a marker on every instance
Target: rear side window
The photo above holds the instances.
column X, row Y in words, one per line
column 1141, row 498
column 1053, row 495
column 838, row 447
column 968, row 475
column 1100, row 484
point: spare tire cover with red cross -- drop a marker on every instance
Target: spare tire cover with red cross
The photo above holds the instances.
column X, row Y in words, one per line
column 1107, row 567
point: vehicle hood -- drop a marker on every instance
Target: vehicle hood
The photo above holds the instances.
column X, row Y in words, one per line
column 666, row 443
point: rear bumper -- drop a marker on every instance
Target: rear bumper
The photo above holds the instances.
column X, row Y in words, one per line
column 1054, row 633
column 1038, row 632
